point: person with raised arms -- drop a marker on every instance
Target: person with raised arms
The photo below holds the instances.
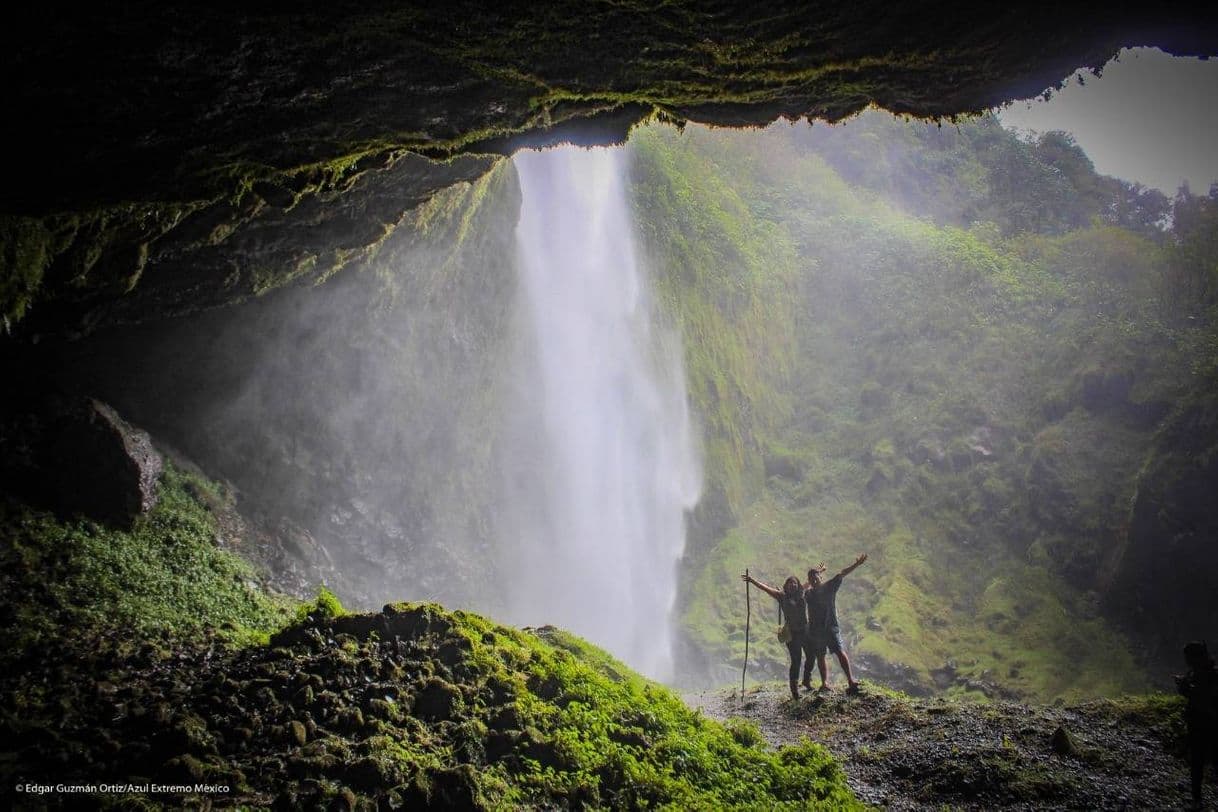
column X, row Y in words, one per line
column 824, row 633
column 795, row 621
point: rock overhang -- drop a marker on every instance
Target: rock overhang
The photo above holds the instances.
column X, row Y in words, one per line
column 172, row 157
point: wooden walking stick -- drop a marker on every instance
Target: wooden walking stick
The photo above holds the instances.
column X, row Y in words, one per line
column 748, row 614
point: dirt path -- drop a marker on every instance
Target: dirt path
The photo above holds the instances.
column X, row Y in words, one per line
column 903, row 753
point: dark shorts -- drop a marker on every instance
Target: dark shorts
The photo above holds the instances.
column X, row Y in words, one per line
column 824, row 640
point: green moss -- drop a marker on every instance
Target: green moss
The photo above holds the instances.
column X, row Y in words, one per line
column 912, row 386
column 629, row 741
column 29, row 246
column 723, row 276
column 326, row 606
column 166, row 576
column 505, row 718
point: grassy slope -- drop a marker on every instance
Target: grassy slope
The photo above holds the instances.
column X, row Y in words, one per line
column 910, row 336
column 164, row 578
column 152, row 655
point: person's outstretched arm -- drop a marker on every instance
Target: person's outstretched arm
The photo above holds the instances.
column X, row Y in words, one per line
column 766, row 588
column 858, row 562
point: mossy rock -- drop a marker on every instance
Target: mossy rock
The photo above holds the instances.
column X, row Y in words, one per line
column 436, row 701
column 536, row 720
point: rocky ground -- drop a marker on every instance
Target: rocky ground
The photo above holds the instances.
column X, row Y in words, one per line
column 412, row 707
column 904, row 753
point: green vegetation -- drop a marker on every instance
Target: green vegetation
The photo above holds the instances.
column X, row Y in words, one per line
column 947, row 347
column 165, row 578
column 326, row 606
column 414, row 706
column 728, row 280
column 154, row 654
column 594, row 733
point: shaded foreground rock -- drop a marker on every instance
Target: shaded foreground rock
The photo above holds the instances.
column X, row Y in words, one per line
column 78, row 456
column 411, row 707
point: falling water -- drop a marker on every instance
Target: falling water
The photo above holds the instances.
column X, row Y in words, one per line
column 604, row 463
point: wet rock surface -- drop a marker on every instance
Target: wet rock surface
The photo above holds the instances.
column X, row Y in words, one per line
column 904, row 753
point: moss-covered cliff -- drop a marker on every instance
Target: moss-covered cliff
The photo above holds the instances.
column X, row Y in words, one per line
column 922, row 372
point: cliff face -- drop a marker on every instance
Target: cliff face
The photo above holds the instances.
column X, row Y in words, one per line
column 1162, row 578
column 169, row 158
column 879, row 368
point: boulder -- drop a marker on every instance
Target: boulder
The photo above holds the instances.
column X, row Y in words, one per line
column 102, row 466
column 1063, row 743
column 76, row 455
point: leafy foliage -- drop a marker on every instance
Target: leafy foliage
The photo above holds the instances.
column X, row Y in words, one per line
column 986, row 334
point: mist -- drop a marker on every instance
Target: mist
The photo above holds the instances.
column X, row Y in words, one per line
column 594, row 386
column 492, row 415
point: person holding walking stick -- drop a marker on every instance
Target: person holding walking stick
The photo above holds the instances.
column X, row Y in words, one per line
column 795, row 625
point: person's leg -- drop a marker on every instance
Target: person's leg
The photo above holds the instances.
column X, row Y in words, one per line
column 809, row 658
column 845, row 663
column 1196, row 763
column 1197, row 747
column 835, row 646
column 823, row 667
column 795, row 649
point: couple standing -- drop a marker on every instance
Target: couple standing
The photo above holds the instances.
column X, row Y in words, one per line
column 810, row 612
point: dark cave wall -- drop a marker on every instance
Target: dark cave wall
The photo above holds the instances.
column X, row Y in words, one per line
column 1162, row 581
column 174, row 159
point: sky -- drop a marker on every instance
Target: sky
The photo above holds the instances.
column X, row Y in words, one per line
column 1149, row 117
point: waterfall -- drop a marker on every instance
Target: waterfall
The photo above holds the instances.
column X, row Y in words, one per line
column 602, row 459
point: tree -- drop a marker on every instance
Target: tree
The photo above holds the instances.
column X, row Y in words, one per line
column 1194, row 265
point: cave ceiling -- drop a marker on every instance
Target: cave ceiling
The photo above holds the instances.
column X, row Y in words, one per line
column 168, row 157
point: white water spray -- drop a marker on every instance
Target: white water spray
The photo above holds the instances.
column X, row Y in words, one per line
column 603, row 461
